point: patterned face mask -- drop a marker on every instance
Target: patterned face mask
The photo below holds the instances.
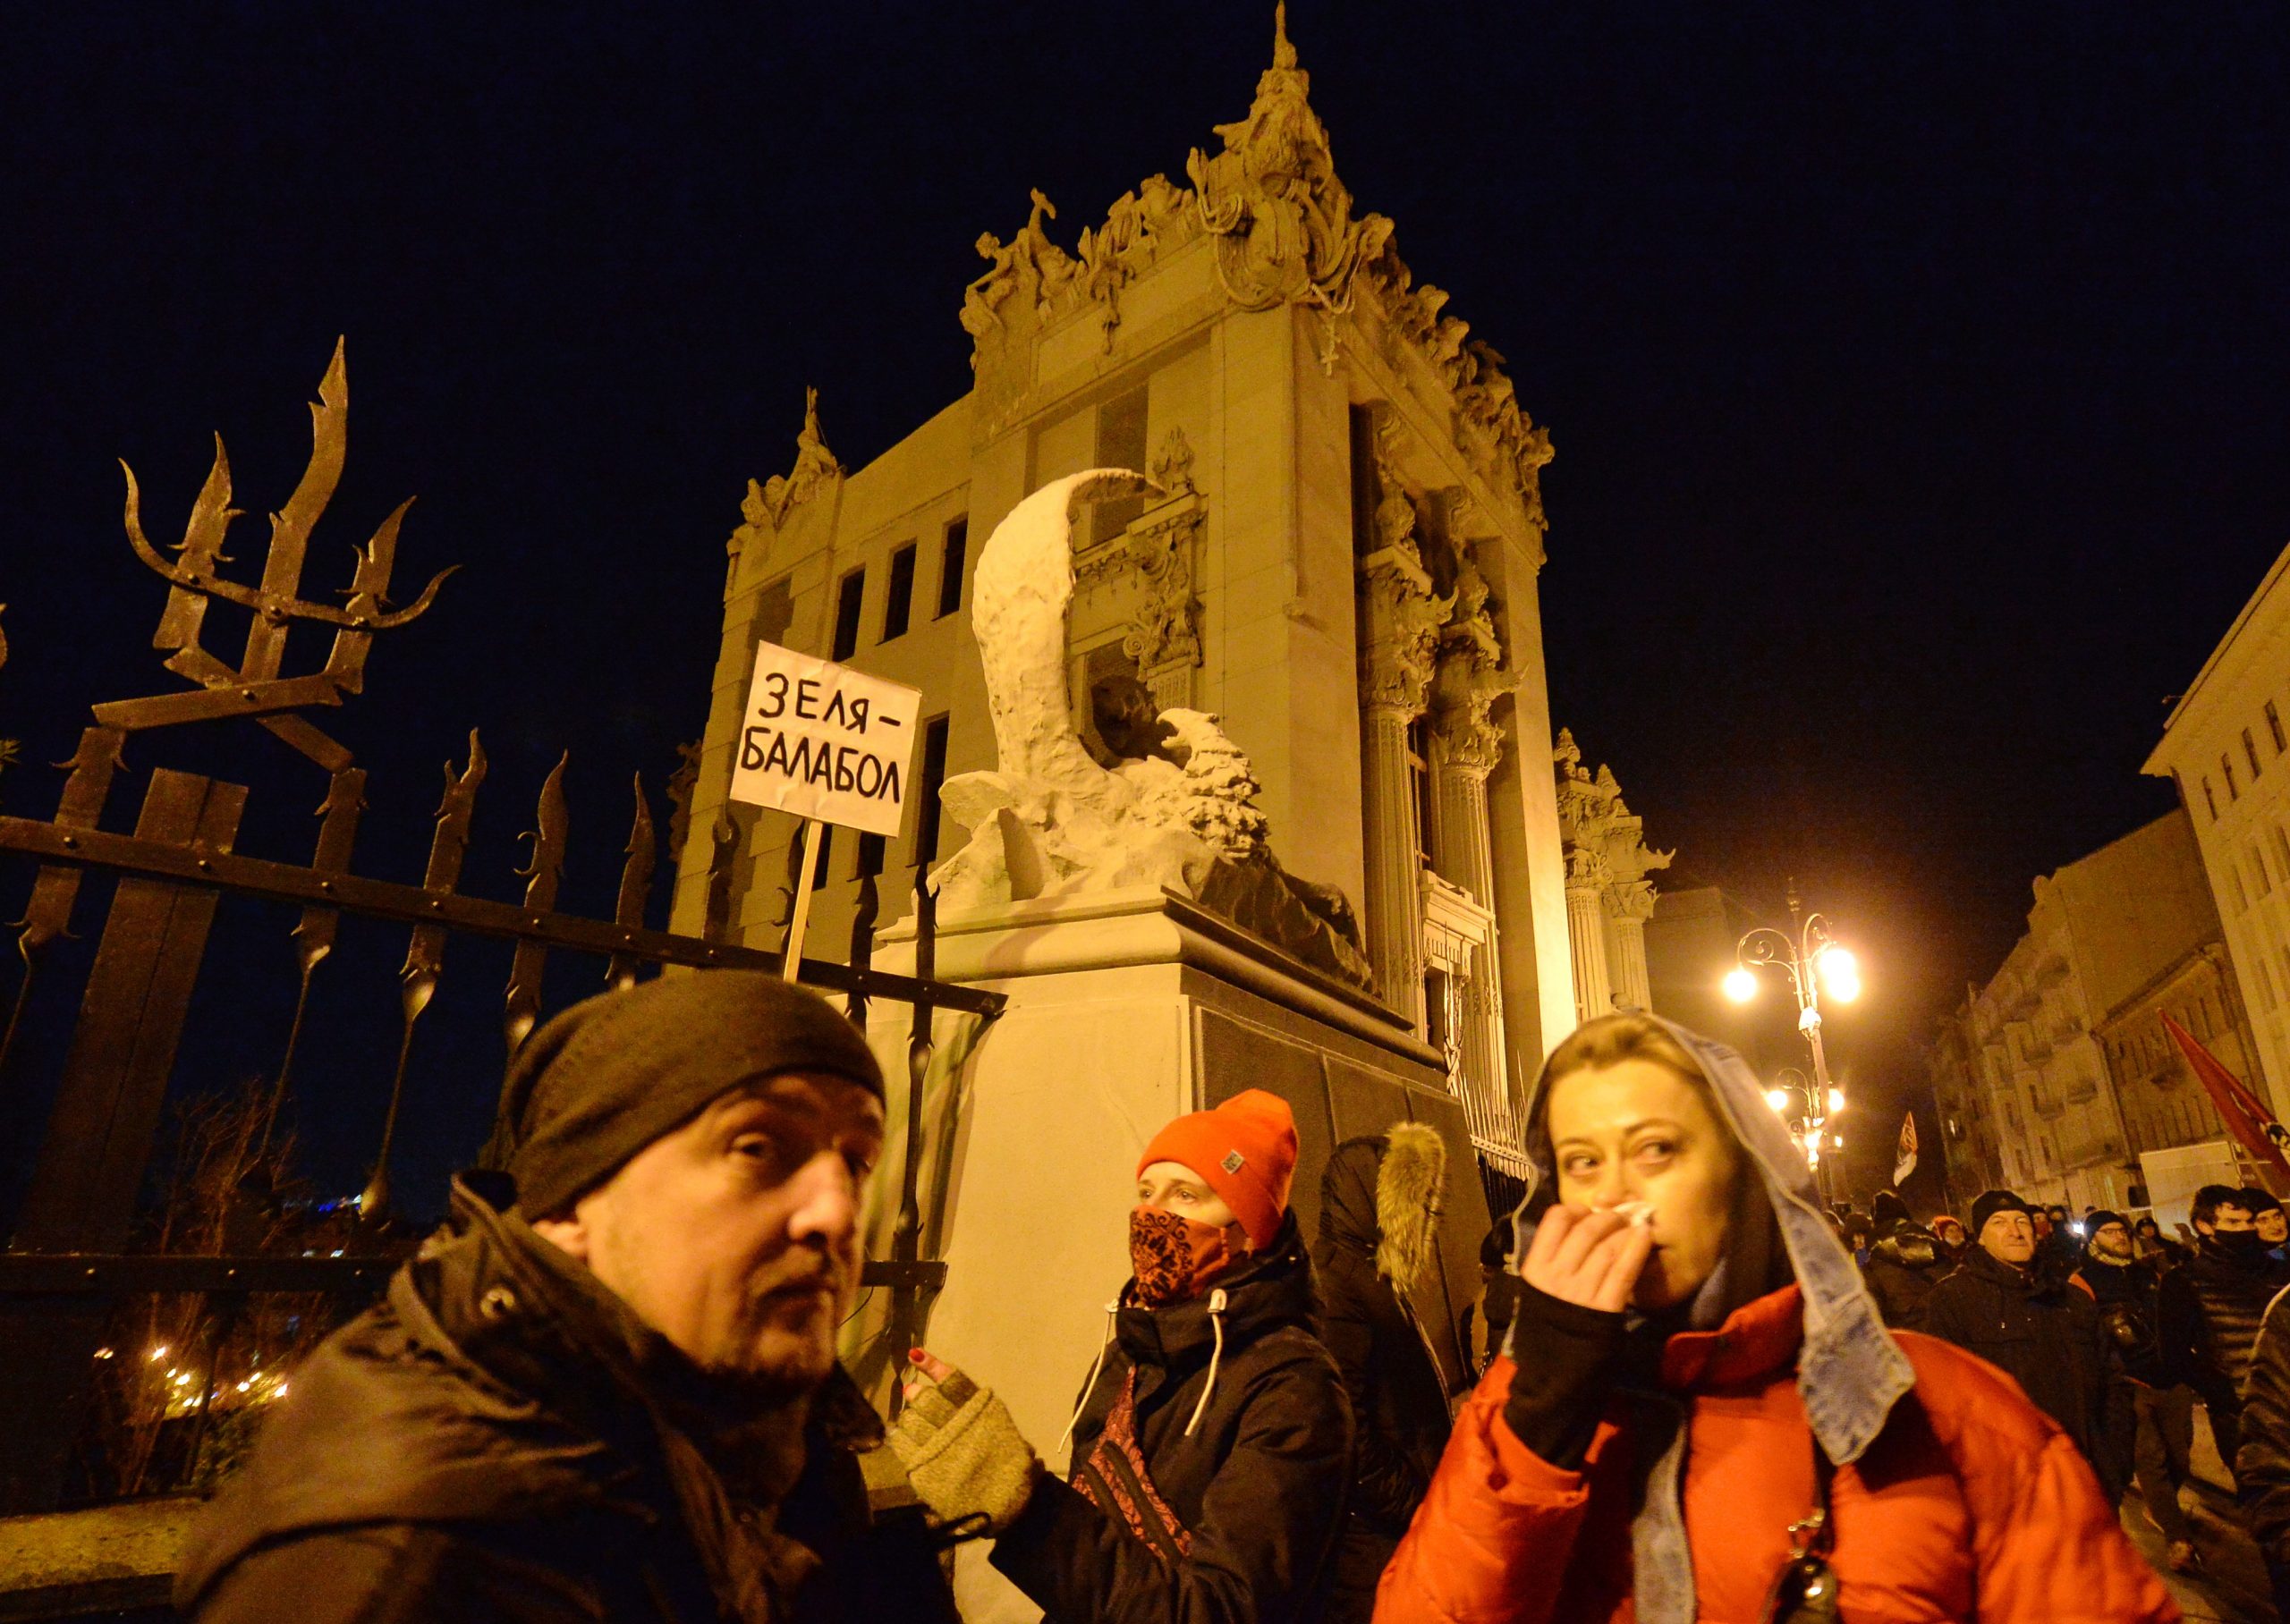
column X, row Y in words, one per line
column 1174, row 1258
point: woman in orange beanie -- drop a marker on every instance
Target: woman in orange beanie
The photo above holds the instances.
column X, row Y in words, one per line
column 1212, row 1442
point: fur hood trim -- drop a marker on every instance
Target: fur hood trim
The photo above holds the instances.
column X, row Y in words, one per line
column 1410, row 1180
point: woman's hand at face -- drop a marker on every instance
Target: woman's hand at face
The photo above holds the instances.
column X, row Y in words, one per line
column 1588, row 1258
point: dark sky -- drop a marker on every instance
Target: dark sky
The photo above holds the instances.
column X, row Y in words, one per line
column 1915, row 373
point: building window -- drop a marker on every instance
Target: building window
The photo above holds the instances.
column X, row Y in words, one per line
column 899, row 601
column 2227, row 768
column 934, row 778
column 951, row 559
column 1121, row 443
column 2249, row 749
column 2258, row 871
column 2210, row 798
column 847, row 600
column 2273, row 726
column 2242, row 897
column 2281, row 855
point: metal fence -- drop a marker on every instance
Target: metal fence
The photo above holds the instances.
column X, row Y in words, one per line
column 137, row 1338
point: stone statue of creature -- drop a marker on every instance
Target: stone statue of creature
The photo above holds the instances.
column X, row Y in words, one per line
column 1051, row 820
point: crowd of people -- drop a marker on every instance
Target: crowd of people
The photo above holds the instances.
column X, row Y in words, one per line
column 2116, row 1332
column 608, row 1388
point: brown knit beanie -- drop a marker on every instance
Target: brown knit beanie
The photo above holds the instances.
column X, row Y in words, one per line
column 610, row 1074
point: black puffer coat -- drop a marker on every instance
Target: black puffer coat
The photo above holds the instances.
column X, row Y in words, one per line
column 2261, row 1467
column 2210, row 1308
column 2042, row 1333
column 1901, row 1272
column 1378, row 1233
column 501, row 1440
column 1258, row 1485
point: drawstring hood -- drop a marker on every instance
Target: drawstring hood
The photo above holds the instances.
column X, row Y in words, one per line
column 1089, row 1384
column 1215, row 1355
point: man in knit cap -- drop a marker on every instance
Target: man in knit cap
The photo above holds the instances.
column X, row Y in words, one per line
column 1211, row 1446
column 609, row 1390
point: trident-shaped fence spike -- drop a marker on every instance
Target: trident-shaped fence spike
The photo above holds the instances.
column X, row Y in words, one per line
column 425, row 955
column 531, row 959
column 635, row 887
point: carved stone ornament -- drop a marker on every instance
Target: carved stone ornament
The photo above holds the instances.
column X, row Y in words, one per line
column 1597, row 824
column 765, row 509
column 1166, row 631
column 1282, row 221
column 1173, row 463
column 1401, row 615
column 1050, row 821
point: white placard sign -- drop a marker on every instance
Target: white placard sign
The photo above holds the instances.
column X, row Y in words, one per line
column 822, row 741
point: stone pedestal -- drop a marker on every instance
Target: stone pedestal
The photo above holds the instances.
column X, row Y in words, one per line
column 1127, row 1008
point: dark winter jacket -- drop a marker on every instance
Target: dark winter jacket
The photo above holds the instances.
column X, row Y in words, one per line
column 2209, row 1310
column 1901, row 1272
column 2263, row 1466
column 2124, row 1293
column 1377, row 1235
column 1259, row 1483
column 501, row 1438
column 2043, row 1333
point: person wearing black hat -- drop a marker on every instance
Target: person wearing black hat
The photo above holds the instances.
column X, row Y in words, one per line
column 608, row 1388
column 2151, row 1422
column 1904, row 1262
column 2040, row 1331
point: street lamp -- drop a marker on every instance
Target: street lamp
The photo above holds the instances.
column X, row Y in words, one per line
column 1808, row 1110
column 1815, row 964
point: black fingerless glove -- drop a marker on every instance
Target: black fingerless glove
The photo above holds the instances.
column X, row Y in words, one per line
column 1567, row 1357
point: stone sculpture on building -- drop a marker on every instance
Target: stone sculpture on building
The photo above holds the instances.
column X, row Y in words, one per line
column 1048, row 820
column 763, row 513
column 1608, row 897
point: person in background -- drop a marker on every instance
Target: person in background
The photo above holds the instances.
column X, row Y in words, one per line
column 2034, row 1327
column 2058, row 1248
column 2262, row 1463
column 1378, row 1241
column 2154, row 1251
column 1699, row 1373
column 1212, row 1444
column 2210, row 1308
column 609, row 1391
column 1859, row 1233
column 1948, row 1230
column 1905, row 1264
column 2151, row 1420
column 2273, row 1227
column 1487, row 1321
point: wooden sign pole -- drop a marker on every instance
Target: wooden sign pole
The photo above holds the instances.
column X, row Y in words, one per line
column 792, row 956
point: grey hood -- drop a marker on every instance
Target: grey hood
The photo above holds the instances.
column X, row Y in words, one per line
column 1849, row 1371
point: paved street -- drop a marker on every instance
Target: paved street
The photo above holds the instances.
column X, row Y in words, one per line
column 2231, row 1587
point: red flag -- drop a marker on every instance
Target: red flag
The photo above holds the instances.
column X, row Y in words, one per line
column 2247, row 1118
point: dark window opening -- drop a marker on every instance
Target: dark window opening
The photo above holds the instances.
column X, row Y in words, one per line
column 1418, row 771
column 950, row 566
column 2211, row 797
column 900, row 599
column 933, row 778
column 2249, row 749
column 1121, row 443
column 847, row 600
column 2273, row 726
column 2228, row 767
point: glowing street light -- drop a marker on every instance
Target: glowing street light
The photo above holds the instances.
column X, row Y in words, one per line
column 1816, row 965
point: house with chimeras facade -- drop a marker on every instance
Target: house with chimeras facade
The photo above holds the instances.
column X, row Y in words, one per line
column 1339, row 561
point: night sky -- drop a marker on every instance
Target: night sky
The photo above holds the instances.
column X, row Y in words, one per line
column 1915, row 374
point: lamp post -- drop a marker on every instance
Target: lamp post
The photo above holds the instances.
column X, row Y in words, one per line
column 1808, row 1107
column 1815, row 963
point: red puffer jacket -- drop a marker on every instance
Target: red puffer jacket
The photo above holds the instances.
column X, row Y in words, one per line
column 1970, row 1504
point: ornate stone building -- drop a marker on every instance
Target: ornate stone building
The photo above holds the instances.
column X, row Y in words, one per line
column 2225, row 747
column 2056, row 1078
column 1339, row 561
column 1608, row 897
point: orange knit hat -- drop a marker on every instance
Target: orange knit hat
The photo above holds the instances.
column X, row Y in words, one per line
column 1245, row 1150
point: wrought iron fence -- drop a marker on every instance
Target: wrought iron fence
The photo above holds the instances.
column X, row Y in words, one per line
column 209, row 1296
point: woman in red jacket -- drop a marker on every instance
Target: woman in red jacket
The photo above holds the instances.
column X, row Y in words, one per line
column 1700, row 1416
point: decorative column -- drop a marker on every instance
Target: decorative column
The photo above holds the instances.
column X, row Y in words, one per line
column 1629, row 906
column 1400, row 618
column 1582, row 814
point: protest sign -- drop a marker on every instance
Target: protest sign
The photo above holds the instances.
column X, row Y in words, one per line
column 822, row 741
column 829, row 744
